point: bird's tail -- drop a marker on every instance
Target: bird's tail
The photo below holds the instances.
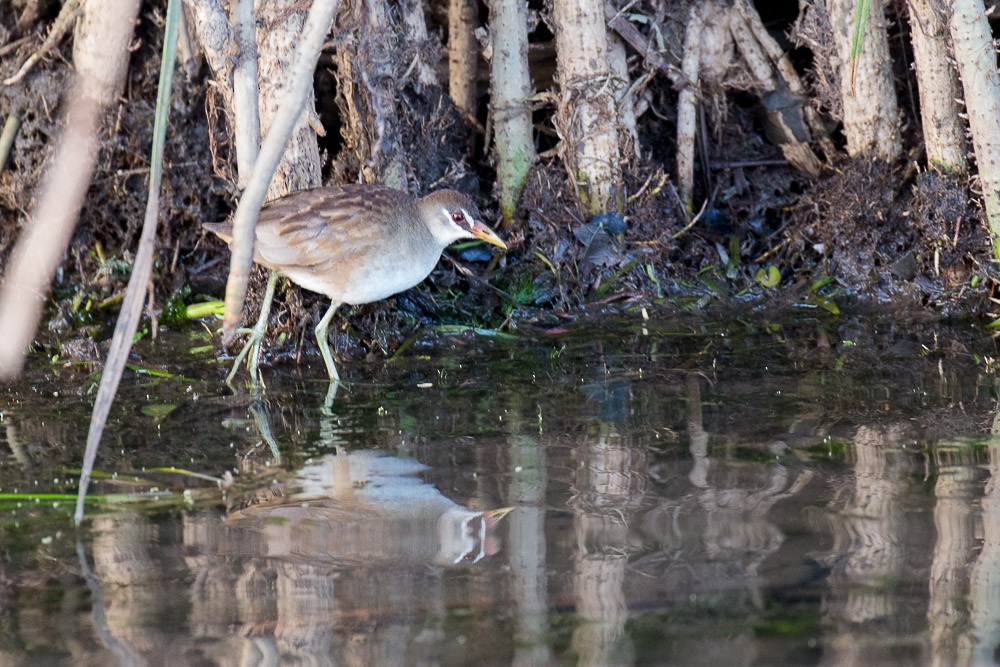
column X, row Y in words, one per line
column 223, row 230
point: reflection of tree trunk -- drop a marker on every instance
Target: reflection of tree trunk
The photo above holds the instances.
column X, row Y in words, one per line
column 607, row 488
column 868, row 545
column 875, row 553
column 306, row 612
column 696, row 433
column 736, row 526
column 984, row 582
column 600, row 604
column 870, row 115
column 213, row 595
column 954, row 520
column 527, row 551
column 123, row 566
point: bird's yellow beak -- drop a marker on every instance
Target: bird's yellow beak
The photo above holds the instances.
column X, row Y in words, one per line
column 484, row 233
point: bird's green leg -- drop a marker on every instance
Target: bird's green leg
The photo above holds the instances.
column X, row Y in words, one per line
column 324, row 343
column 256, row 335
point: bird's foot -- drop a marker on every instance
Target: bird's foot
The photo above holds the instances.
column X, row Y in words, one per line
column 253, row 343
column 251, row 348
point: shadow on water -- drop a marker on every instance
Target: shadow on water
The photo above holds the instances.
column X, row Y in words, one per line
column 657, row 493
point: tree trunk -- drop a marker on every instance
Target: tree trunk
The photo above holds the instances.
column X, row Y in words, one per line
column 246, row 121
column 463, row 54
column 511, row 88
column 782, row 103
column 426, row 51
column 367, row 91
column 871, row 118
column 618, row 61
column 586, row 114
column 279, row 29
column 973, row 43
column 687, row 105
column 940, row 89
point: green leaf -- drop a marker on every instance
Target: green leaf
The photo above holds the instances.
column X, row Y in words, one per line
column 769, row 277
column 205, row 309
column 158, row 411
column 820, row 283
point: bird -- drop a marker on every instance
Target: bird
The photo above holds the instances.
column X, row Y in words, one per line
column 353, row 243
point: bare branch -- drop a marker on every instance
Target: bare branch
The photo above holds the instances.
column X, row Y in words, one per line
column 289, row 111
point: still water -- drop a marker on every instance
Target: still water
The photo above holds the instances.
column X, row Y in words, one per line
column 649, row 493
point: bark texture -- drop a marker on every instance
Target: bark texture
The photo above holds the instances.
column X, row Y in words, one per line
column 586, row 115
column 368, row 90
column 940, row 89
column 687, row 105
column 463, row 54
column 782, row 102
column 215, row 34
column 511, row 88
column 871, row 117
column 246, row 121
column 425, row 58
column 279, row 30
column 973, row 43
column 618, row 62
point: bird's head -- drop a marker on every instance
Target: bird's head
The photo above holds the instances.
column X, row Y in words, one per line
column 452, row 216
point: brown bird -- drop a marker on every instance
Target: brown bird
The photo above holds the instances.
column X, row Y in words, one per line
column 354, row 243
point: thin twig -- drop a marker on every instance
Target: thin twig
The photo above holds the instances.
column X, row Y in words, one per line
column 62, row 24
column 773, row 250
column 694, row 221
column 13, row 46
column 738, row 164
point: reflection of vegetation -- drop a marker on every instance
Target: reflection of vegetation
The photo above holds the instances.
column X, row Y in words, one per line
column 831, row 449
column 654, row 633
column 790, row 621
column 746, row 454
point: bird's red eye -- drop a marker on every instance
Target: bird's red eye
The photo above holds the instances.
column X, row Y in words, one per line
column 457, row 216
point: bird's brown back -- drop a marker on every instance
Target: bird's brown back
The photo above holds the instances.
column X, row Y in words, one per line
column 321, row 238
column 292, row 228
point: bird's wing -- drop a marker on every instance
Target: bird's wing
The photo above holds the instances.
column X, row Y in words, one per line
column 329, row 225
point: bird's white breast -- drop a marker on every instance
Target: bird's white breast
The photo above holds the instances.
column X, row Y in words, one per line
column 399, row 265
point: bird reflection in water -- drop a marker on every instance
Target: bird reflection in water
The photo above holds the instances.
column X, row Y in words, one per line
column 365, row 507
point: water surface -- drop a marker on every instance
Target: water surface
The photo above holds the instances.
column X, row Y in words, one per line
column 650, row 493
